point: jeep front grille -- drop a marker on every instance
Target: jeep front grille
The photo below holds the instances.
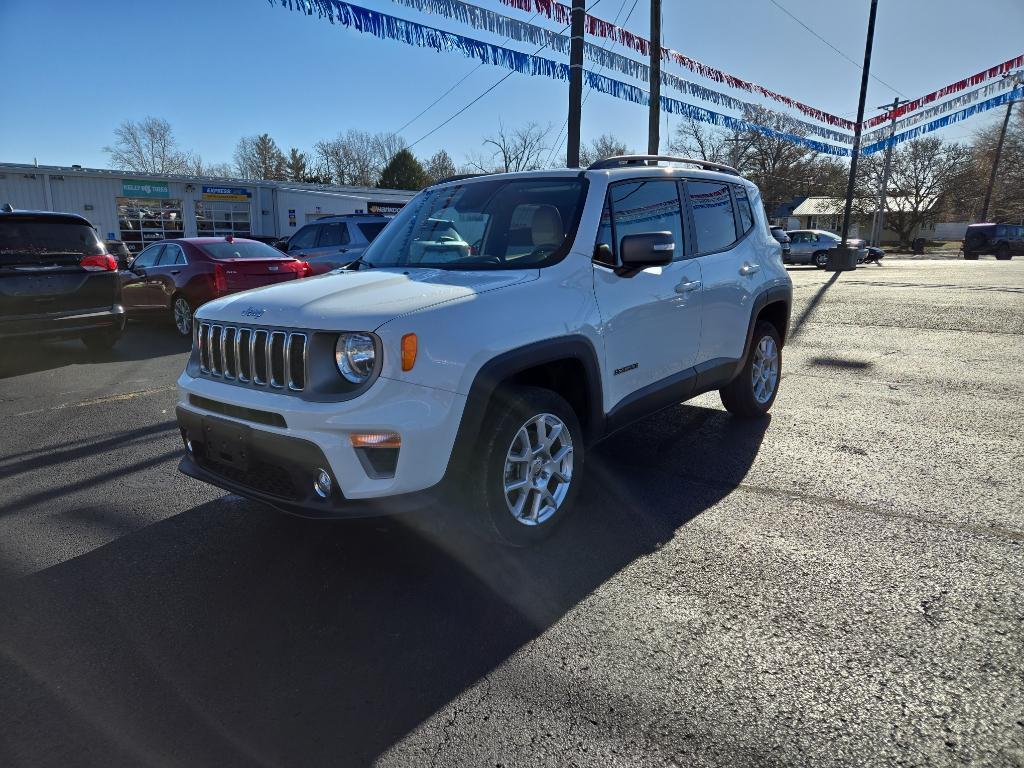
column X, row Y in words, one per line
column 261, row 357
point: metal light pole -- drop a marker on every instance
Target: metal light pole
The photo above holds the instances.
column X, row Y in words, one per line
column 572, row 152
column 879, row 225
column 1015, row 77
column 654, row 116
column 844, row 257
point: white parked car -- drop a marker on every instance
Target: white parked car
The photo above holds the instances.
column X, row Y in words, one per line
column 555, row 307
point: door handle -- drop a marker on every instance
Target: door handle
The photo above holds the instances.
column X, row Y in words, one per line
column 686, row 287
column 175, row 271
column 343, row 250
column 749, row 269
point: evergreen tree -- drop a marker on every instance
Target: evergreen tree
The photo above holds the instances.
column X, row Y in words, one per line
column 404, row 171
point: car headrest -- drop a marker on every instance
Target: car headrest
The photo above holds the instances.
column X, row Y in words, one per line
column 547, row 226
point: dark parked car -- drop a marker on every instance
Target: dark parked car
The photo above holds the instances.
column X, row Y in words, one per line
column 1004, row 241
column 334, row 241
column 57, row 279
column 174, row 277
column 780, row 234
column 119, row 251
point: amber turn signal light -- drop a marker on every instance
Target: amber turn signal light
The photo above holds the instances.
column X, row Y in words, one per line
column 410, row 346
column 376, row 440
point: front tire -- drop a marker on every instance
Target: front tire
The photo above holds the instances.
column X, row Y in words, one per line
column 751, row 394
column 530, row 468
column 820, row 259
column 183, row 316
column 1003, row 254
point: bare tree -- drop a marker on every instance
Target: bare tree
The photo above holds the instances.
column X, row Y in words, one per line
column 1008, row 194
column 602, row 147
column 519, row 149
column 357, row 157
column 440, row 166
column 147, row 146
column 258, row 157
column 197, row 167
column 925, row 176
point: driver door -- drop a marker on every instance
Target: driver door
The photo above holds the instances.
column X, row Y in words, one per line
column 651, row 321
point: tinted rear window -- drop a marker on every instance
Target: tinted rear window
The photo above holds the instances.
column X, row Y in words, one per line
column 34, row 240
column 371, row 229
column 241, row 250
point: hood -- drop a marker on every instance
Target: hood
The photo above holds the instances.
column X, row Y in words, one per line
column 356, row 301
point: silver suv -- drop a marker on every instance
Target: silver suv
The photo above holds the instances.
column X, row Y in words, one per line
column 334, row 241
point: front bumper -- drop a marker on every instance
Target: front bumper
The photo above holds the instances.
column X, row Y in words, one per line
column 289, row 439
column 62, row 324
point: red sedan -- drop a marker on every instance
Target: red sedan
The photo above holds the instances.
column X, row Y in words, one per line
column 174, row 277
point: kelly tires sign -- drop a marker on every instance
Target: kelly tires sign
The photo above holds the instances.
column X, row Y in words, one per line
column 150, row 189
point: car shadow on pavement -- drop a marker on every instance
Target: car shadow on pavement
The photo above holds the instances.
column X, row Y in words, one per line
column 233, row 635
column 141, row 341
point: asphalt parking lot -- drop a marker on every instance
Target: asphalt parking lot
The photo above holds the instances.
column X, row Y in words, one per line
column 842, row 584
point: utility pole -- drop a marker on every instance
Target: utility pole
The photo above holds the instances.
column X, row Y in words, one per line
column 844, row 257
column 654, row 116
column 575, row 83
column 879, row 226
column 1015, row 77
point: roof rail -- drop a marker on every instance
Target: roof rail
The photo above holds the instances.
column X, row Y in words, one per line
column 621, row 161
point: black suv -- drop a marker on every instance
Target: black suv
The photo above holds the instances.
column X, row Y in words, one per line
column 57, row 279
column 1004, row 241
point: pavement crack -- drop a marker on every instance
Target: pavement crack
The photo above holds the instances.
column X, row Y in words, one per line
column 102, row 400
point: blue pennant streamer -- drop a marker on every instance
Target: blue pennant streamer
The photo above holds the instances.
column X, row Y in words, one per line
column 387, row 27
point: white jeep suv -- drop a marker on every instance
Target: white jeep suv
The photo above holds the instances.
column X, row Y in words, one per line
column 495, row 329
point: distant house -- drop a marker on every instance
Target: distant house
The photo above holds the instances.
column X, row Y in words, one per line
column 827, row 213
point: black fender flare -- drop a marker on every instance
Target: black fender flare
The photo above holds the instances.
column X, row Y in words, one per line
column 508, row 364
column 772, row 295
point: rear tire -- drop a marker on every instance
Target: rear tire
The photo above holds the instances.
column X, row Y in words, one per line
column 102, row 341
column 970, row 257
column 751, row 394
column 530, row 466
column 183, row 315
column 820, row 259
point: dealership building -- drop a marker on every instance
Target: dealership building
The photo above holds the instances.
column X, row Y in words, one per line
column 139, row 209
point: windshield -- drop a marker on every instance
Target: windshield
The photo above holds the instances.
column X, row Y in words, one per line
column 242, row 249
column 487, row 224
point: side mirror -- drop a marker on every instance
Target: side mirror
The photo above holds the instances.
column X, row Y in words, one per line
column 651, row 249
column 282, row 245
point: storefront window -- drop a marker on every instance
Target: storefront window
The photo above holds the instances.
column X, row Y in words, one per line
column 215, row 218
column 142, row 221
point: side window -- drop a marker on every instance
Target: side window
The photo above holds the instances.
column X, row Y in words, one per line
column 715, row 225
column 640, row 207
column 149, row 257
column 1001, row 231
column 167, row 258
column 744, row 209
column 333, row 234
column 180, row 258
column 305, row 237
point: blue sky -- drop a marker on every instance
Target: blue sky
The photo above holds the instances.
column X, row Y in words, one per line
column 220, row 70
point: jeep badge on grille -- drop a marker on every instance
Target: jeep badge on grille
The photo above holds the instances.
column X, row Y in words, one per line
column 253, row 312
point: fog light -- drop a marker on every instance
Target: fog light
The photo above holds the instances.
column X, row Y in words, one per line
column 322, row 484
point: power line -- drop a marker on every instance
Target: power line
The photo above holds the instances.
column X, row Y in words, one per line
column 463, row 79
column 488, row 90
column 826, row 42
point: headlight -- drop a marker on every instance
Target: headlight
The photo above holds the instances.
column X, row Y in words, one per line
column 356, row 355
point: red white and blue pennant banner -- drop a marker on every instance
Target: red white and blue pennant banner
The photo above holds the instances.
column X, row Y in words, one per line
column 600, row 28
column 968, row 82
column 388, row 27
column 521, row 31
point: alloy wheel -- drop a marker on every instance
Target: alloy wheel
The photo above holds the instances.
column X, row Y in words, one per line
column 538, row 469
column 183, row 316
column 764, row 372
